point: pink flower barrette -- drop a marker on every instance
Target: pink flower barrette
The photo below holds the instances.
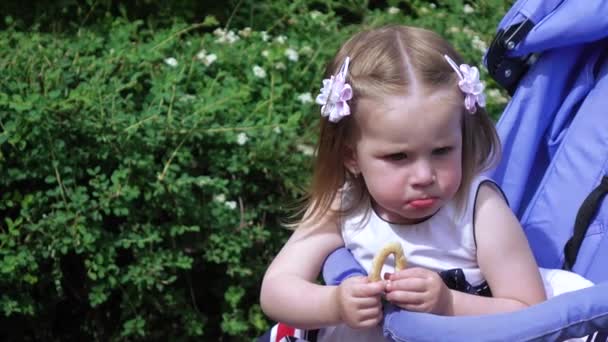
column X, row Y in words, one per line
column 334, row 94
column 470, row 85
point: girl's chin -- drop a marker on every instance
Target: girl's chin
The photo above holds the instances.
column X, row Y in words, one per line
column 408, row 214
column 410, row 218
column 413, row 214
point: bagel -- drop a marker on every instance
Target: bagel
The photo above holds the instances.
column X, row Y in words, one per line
column 391, row 248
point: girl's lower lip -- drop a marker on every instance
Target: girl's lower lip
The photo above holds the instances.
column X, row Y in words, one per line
column 423, row 203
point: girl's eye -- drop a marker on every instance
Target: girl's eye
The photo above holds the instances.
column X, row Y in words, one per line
column 396, row 156
column 442, row 151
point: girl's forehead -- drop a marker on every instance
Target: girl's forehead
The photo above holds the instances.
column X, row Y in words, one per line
column 399, row 115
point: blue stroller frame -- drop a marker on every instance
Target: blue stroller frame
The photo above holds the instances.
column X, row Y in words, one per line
column 552, row 56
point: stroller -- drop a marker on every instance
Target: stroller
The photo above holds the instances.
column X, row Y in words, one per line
column 552, row 57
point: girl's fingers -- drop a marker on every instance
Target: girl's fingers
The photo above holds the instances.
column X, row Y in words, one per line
column 367, row 302
column 413, row 272
column 370, row 313
column 369, row 289
column 369, row 317
column 371, row 321
column 405, row 298
column 407, row 284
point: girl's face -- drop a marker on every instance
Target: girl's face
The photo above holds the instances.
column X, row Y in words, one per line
column 409, row 152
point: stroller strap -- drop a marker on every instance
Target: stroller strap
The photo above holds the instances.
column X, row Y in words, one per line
column 583, row 219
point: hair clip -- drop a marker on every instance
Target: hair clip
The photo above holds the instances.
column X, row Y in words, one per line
column 334, row 94
column 470, row 85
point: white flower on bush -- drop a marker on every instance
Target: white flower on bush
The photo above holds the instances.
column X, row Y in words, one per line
column 315, row 14
column 258, row 71
column 207, row 59
column 393, row 10
column 280, row 39
column 242, row 138
column 468, row 9
column 306, row 50
column 265, row 36
column 224, row 36
column 188, row 98
column 246, row 32
column 201, row 54
column 171, row 61
column 231, row 204
column 292, row 54
column 221, row 198
column 432, row 5
column 265, row 53
column 231, row 37
column 306, row 150
column 305, row 98
column 219, row 32
column 479, row 44
column 280, row 66
column 277, row 129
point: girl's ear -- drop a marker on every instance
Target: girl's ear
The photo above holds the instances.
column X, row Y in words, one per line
column 350, row 160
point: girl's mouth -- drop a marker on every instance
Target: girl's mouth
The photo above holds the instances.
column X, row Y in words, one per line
column 423, row 203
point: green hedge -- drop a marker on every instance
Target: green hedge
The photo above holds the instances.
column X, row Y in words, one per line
column 146, row 166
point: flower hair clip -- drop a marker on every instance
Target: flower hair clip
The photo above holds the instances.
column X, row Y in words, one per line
column 470, row 85
column 334, row 94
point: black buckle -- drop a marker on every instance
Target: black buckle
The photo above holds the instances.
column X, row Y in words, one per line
column 507, row 71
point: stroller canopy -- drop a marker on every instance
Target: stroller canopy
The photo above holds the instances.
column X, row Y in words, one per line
column 554, row 131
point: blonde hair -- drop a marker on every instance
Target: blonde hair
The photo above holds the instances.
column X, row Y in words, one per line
column 392, row 60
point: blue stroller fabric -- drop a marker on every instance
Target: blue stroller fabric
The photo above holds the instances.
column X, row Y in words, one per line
column 554, row 131
column 553, row 58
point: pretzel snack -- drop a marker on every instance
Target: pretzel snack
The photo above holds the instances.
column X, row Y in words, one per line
column 390, row 248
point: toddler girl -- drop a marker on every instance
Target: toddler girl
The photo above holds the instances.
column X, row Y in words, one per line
column 404, row 138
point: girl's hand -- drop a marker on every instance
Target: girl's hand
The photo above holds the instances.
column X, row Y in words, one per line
column 419, row 289
column 359, row 302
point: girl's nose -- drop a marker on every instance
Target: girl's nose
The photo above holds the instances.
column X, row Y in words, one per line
column 423, row 173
